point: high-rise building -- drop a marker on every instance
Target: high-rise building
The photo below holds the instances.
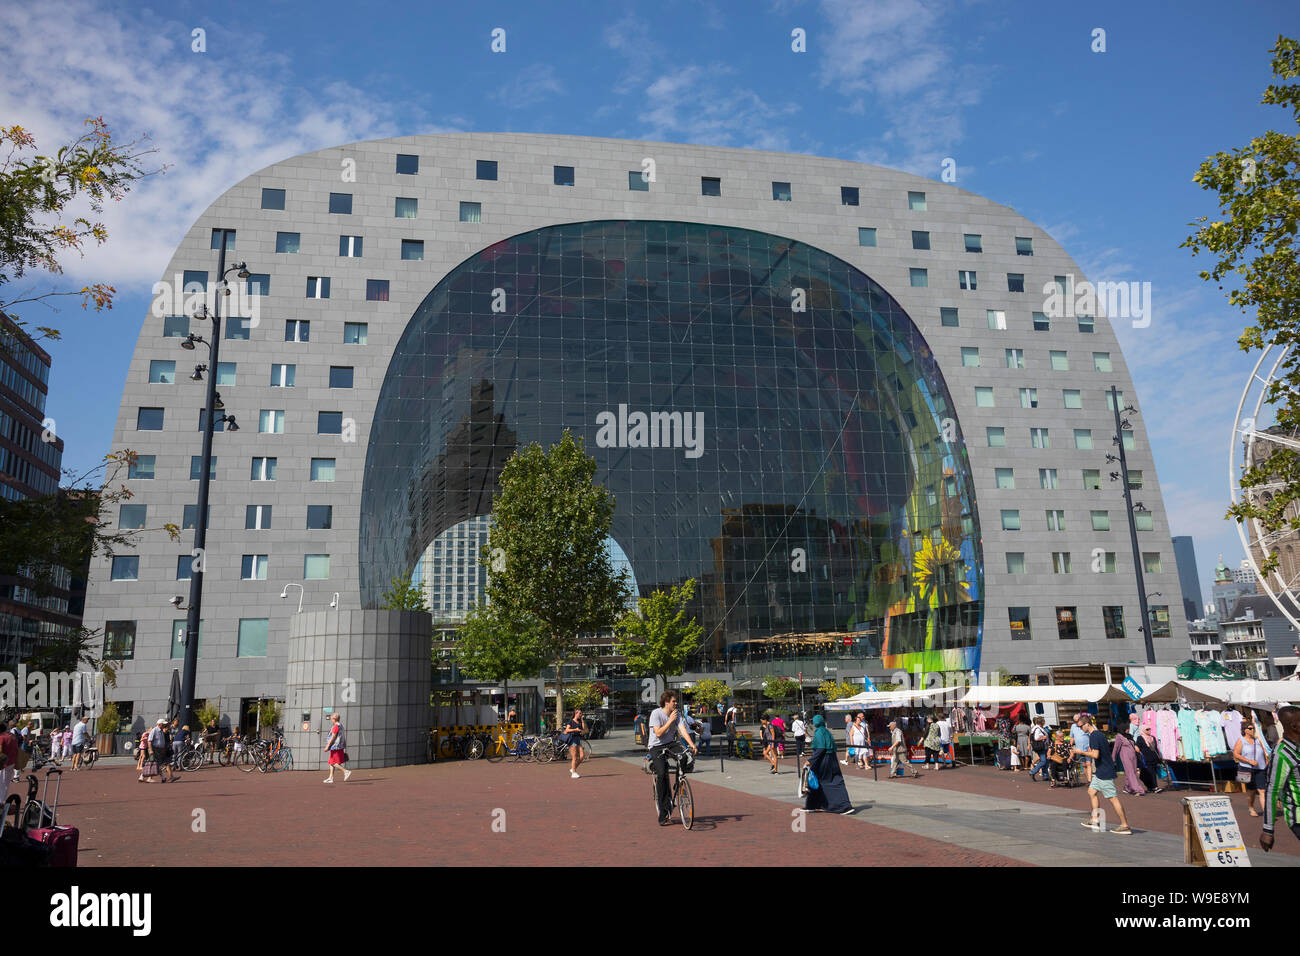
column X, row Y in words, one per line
column 1189, row 581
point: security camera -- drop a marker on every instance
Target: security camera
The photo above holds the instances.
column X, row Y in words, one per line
column 335, row 602
column 284, row 593
column 176, row 601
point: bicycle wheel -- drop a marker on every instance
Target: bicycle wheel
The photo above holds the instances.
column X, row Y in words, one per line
column 283, row 760
column 446, row 746
column 88, row 758
column 544, row 751
column 244, row 761
column 685, row 805
column 223, row 758
column 474, row 748
column 191, row 760
column 496, row 750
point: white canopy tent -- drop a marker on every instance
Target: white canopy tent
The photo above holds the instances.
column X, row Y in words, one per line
column 1053, row 693
column 1263, row 692
column 878, row 700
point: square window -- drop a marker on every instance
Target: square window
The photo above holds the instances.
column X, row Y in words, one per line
column 1015, row 282
column 636, row 182
column 320, row 517
column 966, row 280
column 1024, row 246
column 322, row 469
column 1143, row 521
column 1042, row 323
column 848, row 195
column 194, row 280
column 485, row 169
column 271, row 422
column 350, row 247
column 282, row 376
column 1112, row 617
column 1112, row 398
column 983, row 396
column 340, row 376
column 376, row 290
column 263, row 469
column 1101, row 362
column 1083, row 439
column 176, row 326
column 316, row 567
column 1091, row 479
column 142, row 467
column 1160, row 621
column 227, row 372
column 149, row 419
column 126, row 568
column 1005, row 478
column 318, row 287
column 190, row 517
column 996, row 319
column 916, row 202
column 185, row 567
column 1086, row 324
column 1010, row 519
column 974, row 243
column 920, row 240
column 471, row 212
column 407, row 165
column 259, row 283
column 867, row 236
column 781, row 192
column 970, row 356
column 1015, row 562
column 288, row 242
column 354, row 333
column 1130, row 443
column 1018, row 620
column 1072, row 397
column 253, row 567
column 131, row 517
column 413, row 249
column 920, row 279
column 948, row 317
column 1060, row 362
column 1015, row 358
column 1100, row 520
column 1055, row 520
column 196, row 467
column 1067, row 623
column 1060, row 562
column 997, row 436
column 253, row 635
column 1047, row 479
column 297, row 330
column 563, row 175
column 1029, row 398
column 1135, row 479
column 119, row 640
column 341, row 203
column 230, row 239
column 162, row 372
column 272, row 198
column 238, row 328
column 405, row 207
column 179, row 630
column 710, row 186
column 329, row 423
column 1039, row 438
column 257, row 518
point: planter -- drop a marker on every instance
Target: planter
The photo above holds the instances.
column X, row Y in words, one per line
column 105, row 744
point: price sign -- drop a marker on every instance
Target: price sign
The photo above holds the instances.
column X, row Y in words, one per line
column 1211, row 836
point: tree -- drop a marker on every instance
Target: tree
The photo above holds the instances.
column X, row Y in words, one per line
column 402, row 595
column 778, row 688
column 837, row 690
column 493, row 645
column 588, row 695
column 1258, row 190
column 550, row 521
column 658, row 636
column 710, row 692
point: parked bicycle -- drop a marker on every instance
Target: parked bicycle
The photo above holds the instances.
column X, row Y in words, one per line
column 552, row 746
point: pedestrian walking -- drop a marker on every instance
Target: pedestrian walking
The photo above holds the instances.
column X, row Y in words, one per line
column 56, row 744
column 830, row 795
column 1102, row 783
column 1022, row 740
column 574, row 728
column 769, row 743
column 336, row 746
column 931, row 743
column 899, row 761
column 141, row 753
column 1251, row 755
column 159, row 759
column 1282, row 790
column 1038, row 741
column 858, row 730
column 1124, row 752
column 1148, row 760
column 79, row 735
column 706, row 733
column 8, row 759
column 800, row 731
column 778, row 736
column 945, row 740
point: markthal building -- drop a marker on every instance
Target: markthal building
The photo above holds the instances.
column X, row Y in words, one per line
column 857, row 406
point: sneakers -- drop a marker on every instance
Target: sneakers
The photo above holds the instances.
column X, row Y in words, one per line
column 573, row 774
column 849, row 812
column 1122, row 831
column 329, row 779
column 1089, row 825
column 346, row 774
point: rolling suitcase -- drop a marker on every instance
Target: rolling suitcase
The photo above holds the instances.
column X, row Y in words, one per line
column 60, row 842
column 15, row 848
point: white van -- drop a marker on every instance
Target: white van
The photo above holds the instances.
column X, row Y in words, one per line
column 42, row 725
column 1045, row 709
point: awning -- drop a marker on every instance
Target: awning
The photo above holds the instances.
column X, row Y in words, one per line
column 877, row 700
column 1052, row 693
column 1241, row 691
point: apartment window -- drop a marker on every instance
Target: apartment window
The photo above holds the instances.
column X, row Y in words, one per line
column 407, row 165
column 329, row 423
column 257, row 517
column 1010, row 519
column 563, row 175
column 119, row 640
column 997, row 436
column 185, row 567
column 239, row 328
column 781, row 192
column 190, row 517
column 341, row 376
column 131, row 517
column 866, row 235
column 297, row 330
column 354, row 333
column 1029, row 398
column 253, row 567
column 318, row 287
column 259, row 283
column 984, row 397
column 1091, row 479
column 948, row 317
column 149, row 419
column 1135, row 479
column 966, row 279
column 920, row 240
column 1015, row 282
column 126, row 568
column 970, row 356
column 376, row 290
column 916, row 202
column 1101, row 362
column 1055, row 520
column 1160, row 621
column 1072, row 398
column 288, row 242
column 1112, row 616
column 920, row 279
column 176, row 326
column 405, row 207
column 1083, row 439
column 1047, row 479
column 271, row 422
column 1015, row 358
column 230, row 239
column 219, row 425
column 471, row 212
column 253, row 635
column 1004, row 478
column 322, row 469
column 196, row 467
column 1060, row 562
column 350, row 247
column 1062, row 286
column 272, row 198
column 1041, row 322
column 1111, row 399
column 316, row 567
column 1038, row 438
column 1151, row 562
column 1024, row 246
column 848, row 195
column 263, row 469
column 282, row 375
column 142, row 467
column 486, row 169
column 180, row 629
column 997, row 319
column 320, row 517
column 636, row 182
column 1018, row 619
column 1086, row 324
column 1015, row 562
column 1142, row 520
column 341, row 203
column 162, row 372
column 1067, row 623
column 1101, row 521
column 974, row 243
column 1060, row 361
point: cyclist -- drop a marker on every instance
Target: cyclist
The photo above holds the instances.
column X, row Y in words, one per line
column 667, row 731
column 574, row 728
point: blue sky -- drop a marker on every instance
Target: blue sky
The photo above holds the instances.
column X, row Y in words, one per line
column 1098, row 148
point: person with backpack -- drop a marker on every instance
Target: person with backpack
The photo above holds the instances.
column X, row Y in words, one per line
column 1038, row 740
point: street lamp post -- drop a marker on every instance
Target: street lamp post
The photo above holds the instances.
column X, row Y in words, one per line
column 1120, row 427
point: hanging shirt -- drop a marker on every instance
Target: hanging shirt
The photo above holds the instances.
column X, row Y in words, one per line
column 1231, row 727
column 1189, row 735
column 1167, row 734
column 1212, row 740
column 1149, row 721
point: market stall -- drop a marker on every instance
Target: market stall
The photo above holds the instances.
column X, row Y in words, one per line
column 893, row 703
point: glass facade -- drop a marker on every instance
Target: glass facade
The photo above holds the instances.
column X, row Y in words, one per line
column 804, row 465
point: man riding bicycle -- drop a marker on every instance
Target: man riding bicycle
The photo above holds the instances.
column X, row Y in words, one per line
column 667, row 725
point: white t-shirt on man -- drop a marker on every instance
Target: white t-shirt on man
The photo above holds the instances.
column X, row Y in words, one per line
column 660, row 721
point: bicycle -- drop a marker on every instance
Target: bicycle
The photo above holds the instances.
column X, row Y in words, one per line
column 519, row 747
column 679, row 793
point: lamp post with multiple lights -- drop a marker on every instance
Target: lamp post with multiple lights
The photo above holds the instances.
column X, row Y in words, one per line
column 1121, row 426
column 213, row 405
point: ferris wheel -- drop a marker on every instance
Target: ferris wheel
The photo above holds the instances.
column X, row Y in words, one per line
column 1249, row 445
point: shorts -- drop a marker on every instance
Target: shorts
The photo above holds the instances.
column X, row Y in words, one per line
column 338, row 757
column 77, row 748
column 1258, row 780
column 1105, row 788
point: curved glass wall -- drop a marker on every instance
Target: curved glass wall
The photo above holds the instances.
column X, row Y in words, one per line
column 769, row 420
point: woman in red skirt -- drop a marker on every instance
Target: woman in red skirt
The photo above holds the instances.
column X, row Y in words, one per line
column 335, row 746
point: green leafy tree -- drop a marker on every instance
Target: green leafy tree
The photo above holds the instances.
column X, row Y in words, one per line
column 402, row 595
column 778, row 688
column 587, row 695
column 658, row 636
column 549, row 524
column 710, row 692
column 1254, row 245
column 494, row 646
column 837, row 690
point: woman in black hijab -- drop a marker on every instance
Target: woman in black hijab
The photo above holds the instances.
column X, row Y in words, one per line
column 830, row 795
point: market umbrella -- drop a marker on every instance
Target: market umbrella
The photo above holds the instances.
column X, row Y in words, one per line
column 174, row 697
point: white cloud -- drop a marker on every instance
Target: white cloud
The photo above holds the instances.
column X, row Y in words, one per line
column 694, row 104
column 531, row 86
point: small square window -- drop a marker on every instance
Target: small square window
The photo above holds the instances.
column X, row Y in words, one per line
column 563, row 175
column 282, row 376
column 196, row 467
column 376, row 290
column 984, row 396
column 176, row 326
column 253, row 567
column 966, row 280
column 1086, row 324
column 1015, row 358
column 1101, row 362
column 1010, row 519
column 297, row 330
column 149, row 419
column 970, row 356
column 230, row 239
column 920, row 278
column 162, row 372
column 354, row 333
column 471, row 212
column 227, row 372
column 916, row 202
column 974, row 243
column 288, row 242
column 1055, row 520
column 1047, row 479
column 1029, row 398
column 1015, row 282
column 405, row 207
column 270, row 422
column 1042, row 323
column 340, row 376
column 322, row 469
column 1024, row 246
column 1101, row 521
column 920, row 240
column 132, row 517
column 710, row 186
column 1018, row 620
column 1135, row 479
column 254, row 633
column 848, row 195
column 1091, row 479
column 350, row 247
column 316, row 567
column 1005, row 478
column 636, row 182
column 185, row 567
column 341, row 203
column 997, row 319
column 257, row 518
column 320, row 517
column 1040, row 438
column 407, row 165
column 997, row 436
column 1072, row 397
column 485, row 169
column 867, row 236
column 781, row 192
column 1060, row 562
column 948, row 317
column 126, row 568
column 1015, row 562
column 413, row 249
column 190, row 517
column 318, row 287
column 119, row 640
column 272, row 199
column 142, row 467
column 1111, row 399
column 263, row 469
column 1143, row 521
column 1067, row 623
column 259, row 283
column 1083, row 439
column 329, row 423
